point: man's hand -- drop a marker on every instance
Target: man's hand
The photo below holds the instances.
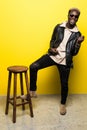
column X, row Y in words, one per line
column 80, row 39
column 54, row 50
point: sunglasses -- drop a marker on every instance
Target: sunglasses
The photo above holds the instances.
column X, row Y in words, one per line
column 72, row 15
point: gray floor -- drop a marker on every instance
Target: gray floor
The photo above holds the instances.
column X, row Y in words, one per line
column 46, row 114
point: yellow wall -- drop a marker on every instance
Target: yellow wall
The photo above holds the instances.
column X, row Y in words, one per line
column 26, row 27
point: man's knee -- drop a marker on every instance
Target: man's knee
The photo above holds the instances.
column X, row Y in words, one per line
column 34, row 66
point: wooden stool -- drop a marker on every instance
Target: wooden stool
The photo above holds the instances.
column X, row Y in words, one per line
column 17, row 70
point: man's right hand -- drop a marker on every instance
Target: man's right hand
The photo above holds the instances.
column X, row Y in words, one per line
column 53, row 51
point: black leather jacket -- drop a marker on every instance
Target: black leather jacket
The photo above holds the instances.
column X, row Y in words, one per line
column 72, row 46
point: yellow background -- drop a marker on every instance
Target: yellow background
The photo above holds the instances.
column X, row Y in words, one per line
column 26, row 27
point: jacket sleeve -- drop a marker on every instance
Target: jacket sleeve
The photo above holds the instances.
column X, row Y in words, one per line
column 76, row 46
column 54, row 38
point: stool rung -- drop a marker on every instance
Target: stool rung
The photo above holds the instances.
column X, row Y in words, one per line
column 10, row 102
column 22, row 103
column 19, row 104
column 16, row 97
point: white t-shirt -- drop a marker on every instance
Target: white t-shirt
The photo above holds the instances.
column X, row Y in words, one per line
column 60, row 58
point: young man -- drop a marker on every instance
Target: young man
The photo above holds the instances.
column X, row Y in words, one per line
column 65, row 43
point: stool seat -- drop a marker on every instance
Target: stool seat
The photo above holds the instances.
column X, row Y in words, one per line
column 15, row 70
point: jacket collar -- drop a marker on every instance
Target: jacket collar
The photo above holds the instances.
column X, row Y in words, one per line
column 75, row 29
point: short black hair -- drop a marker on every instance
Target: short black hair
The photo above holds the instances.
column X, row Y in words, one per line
column 74, row 9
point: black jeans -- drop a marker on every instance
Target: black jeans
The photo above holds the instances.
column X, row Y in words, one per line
column 46, row 61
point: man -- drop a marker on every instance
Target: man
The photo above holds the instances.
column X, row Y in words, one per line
column 65, row 43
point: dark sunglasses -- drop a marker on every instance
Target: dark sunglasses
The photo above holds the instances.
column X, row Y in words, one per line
column 72, row 15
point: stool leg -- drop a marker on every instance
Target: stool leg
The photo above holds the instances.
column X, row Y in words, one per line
column 22, row 90
column 14, row 97
column 29, row 98
column 8, row 93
